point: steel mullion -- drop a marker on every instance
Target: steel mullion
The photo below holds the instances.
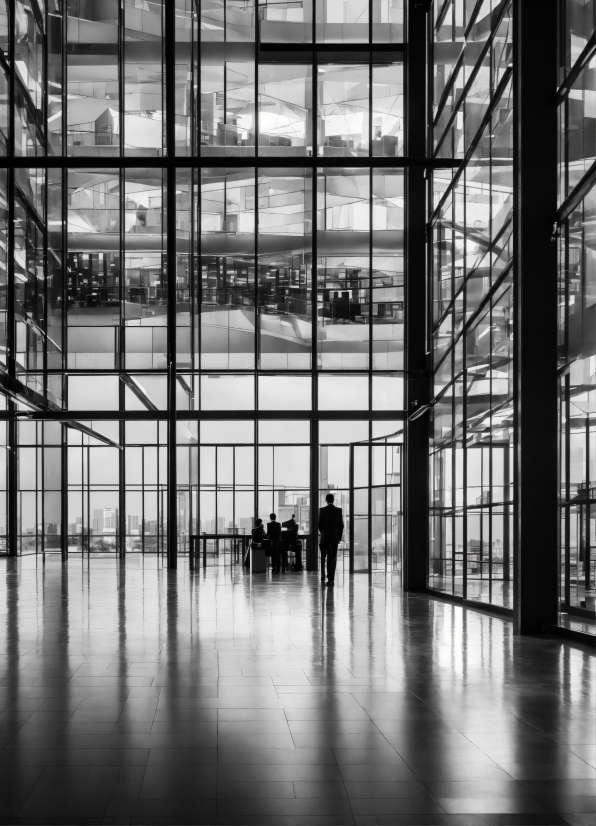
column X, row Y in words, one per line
column 10, row 297
column 142, row 531
column 214, row 415
column 223, row 162
column 44, row 355
column 120, row 355
column 45, row 107
column 575, row 71
column 64, row 491
column 468, row 85
column 587, row 510
column 463, row 163
column 194, row 271
column 42, row 480
column 306, row 51
column 257, row 341
column 197, row 359
column 121, row 81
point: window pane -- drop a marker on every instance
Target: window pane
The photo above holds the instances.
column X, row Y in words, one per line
column 228, row 269
column 226, row 392
column 343, row 392
column 285, row 268
column 284, row 392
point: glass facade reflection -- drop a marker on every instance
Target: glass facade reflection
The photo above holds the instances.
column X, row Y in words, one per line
column 178, row 245
column 472, row 327
column 577, row 318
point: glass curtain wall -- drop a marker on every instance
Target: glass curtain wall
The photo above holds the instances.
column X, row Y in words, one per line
column 235, row 243
column 577, row 317
column 360, row 463
column 471, row 312
column 375, row 504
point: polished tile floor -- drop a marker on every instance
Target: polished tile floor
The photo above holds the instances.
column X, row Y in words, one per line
column 130, row 695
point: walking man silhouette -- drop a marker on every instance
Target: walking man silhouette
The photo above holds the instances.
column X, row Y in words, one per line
column 331, row 528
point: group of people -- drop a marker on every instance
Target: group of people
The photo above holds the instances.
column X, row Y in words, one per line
column 331, row 528
column 279, row 543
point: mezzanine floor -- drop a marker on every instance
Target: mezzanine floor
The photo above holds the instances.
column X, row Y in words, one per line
column 130, row 695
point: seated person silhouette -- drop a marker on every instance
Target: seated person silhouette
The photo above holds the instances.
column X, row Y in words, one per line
column 331, row 528
column 258, row 532
column 258, row 537
column 274, row 535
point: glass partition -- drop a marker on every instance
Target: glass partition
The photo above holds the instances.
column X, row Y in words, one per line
column 375, row 506
column 473, row 322
column 577, row 321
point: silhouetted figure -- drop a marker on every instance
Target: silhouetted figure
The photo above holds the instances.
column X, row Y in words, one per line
column 331, row 528
column 293, row 543
column 258, row 535
column 274, row 534
column 258, row 532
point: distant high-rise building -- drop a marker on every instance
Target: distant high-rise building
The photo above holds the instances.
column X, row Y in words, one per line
column 245, row 524
column 132, row 525
column 105, row 521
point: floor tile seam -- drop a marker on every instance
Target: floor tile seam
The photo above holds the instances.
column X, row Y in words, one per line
column 350, row 799
column 410, row 762
column 439, row 719
column 41, row 774
column 410, row 693
column 385, row 738
column 579, row 757
column 39, row 779
column 17, row 730
column 486, row 749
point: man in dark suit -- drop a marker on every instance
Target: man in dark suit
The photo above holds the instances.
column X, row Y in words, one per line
column 274, row 534
column 331, row 528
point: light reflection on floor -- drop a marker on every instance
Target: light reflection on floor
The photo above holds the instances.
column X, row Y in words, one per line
column 133, row 695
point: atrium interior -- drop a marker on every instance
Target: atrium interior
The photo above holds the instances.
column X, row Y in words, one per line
column 254, row 253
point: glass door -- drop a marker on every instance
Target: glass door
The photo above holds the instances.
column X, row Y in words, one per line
column 375, row 507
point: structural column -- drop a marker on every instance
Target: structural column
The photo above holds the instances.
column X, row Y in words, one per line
column 417, row 380
column 535, row 193
column 172, row 475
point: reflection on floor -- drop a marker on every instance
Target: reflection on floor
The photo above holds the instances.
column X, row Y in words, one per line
column 584, row 626
column 497, row 592
column 131, row 695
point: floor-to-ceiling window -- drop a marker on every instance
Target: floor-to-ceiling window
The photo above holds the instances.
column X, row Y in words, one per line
column 204, row 225
column 577, row 317
column 471, row 303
